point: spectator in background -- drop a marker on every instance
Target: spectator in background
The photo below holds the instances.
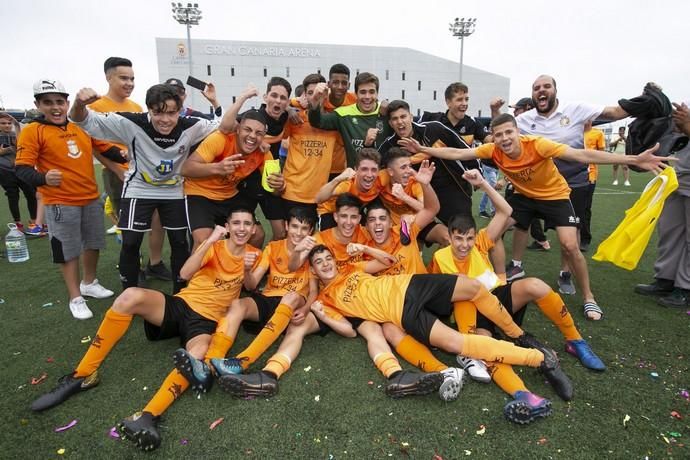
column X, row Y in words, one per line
column 617, row 146
column 594, row 140
column 209, row 93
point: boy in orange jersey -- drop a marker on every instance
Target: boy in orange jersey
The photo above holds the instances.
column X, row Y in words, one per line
column 309, row 156
column 338, row 95
column 216, row 272
column 56, row 156
column 287, row 296
column 216, row 167
column 540, row 190
column 365, row 182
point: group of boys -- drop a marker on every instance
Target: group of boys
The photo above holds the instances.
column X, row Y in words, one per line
column 205, row 175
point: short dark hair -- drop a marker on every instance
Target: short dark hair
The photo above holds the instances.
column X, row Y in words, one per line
column 374, row 205
column 367, row 153
column 279, row 81
column 366, row 77
column 455, row 88
column 302, row 215
column 318, row 249
column 397, row 105
column 339, row 68
column 347, row 199
column 503, row 118
column 253, row 114
column 311, row 79
column 299, row 90
column 461, row 223
column 113, row 62
column 393, row 154
column 243, row 209
column 157, row 95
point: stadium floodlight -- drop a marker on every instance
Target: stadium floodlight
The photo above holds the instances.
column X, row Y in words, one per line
column 189, row 15
column 461, row 28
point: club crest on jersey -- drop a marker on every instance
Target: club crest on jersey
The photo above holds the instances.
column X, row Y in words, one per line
column 73, row 149
column 164, row 167
column 565, row 121
column 354, row 121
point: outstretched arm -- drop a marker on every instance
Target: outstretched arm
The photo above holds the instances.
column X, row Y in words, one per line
column 645, row 160
column 413, row 146
column 229, row 122
column 503, row 209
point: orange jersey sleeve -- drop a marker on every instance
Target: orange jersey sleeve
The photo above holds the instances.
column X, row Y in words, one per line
column 395, row 205
column 408, row 257
column 339, row 250
column 280, row 279
column 67, row 149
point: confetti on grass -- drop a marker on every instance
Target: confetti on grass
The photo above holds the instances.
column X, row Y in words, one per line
column 47, row 304
column 626, row 419
column 39, row 380
column 66, row 427
column 215, row 423
column 481, row 430
column 61, row 451
column 86, row 339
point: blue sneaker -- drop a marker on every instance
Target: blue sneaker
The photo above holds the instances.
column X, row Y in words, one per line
column 583, row 352
column 526, row 408
column 227, row 366
column 194, row 370
column 35, row 230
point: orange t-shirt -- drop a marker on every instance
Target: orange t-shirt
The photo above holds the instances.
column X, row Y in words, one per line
column 350, row 186
column 214, row 149
column 308, row 160
column 594, row 140
column 339, row 250
column 395, row 205
column 354, row 293
column 408, row 258
column 67, row 148
column 105, row 105
column 339, row 162
column 281, row 280
column 218, row 282
column 533, row 173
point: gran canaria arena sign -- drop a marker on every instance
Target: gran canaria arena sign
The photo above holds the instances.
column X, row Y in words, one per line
column 276, row 51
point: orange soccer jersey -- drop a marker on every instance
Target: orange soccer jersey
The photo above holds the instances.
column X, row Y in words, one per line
column 308, row 161
column 280, row 279
column 350, row 186
column 339, row 162
column 217, row 283
column 354, row 293
column 395, row 205
column 214, row 149
column 594, row 140
column 66, row 148
column 534, row 173
column 339, row 250
column 105, row 105
column 408, row 258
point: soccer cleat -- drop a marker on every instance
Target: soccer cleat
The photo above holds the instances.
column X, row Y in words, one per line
column 551, row 369
column 565, row 283
column 79, row 308
column 452, row 384
column 583, row 352
column 66, row 387
column 410, row 383
column 679, row 298
column 257, row 384
column 526, row 408
column 159, row 271
column 95, row 290
column 35, row 231
column 527, row 340
column 112, row 230
column 660, row 287
column 405, row 238
column 513, row 272
column 141, row 428
column 194, row 370
column 227, row 366
column 475, row 368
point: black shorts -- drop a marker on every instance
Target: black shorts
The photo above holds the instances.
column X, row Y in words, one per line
column 266, row 307
column 505, row 296
column 310, row 208
column 453, row 201
column 179, row 320
column 135, row 214
column 427, row 297
column 578, row 199
column 206, row 213
column 253, row 193
column 423, row 233
column 326, row 221
column 556, row 213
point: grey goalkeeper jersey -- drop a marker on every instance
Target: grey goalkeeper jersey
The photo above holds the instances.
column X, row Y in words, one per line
column 155, row 160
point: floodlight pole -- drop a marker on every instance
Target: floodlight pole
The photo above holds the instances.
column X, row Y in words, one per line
column 188, row 15
column 462, row 28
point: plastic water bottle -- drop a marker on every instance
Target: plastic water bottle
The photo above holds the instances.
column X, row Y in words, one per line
column 15, row 242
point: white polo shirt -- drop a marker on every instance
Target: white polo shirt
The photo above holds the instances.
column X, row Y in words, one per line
column 564, row 125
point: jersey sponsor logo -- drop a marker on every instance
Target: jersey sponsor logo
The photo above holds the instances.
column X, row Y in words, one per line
column 565, row 121
column 73, row 150
column 226, row 285
column 159, row 182
column 350, row 288
column 354, row 121
column 313, row 148
column 164, row 140
column 164, row 167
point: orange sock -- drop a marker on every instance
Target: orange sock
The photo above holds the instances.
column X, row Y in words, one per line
column 219, row 346
column 505, row 377
column 171, row 389
column 554, row 308
column 465, row 316
column 111, row 330
column 488, row 349
column 489, row 306
column 269, row 334
column 278, row 364
column 419, row 355
column 387, row 364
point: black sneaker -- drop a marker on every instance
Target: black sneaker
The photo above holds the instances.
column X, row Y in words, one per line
column 679, row 298
column 660, row 287
column 551, row 369
column 194, row 370
column 527, row 340
column 159, row 271
column 565, row 283
column 141, row 428
column 249, row 385
column 410, row 383
column 513, row 272
column 66, row 387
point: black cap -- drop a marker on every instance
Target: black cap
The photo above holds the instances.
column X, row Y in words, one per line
column 175, row 82
column 522, row 103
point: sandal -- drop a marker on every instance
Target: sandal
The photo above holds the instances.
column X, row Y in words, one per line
column 592, row 307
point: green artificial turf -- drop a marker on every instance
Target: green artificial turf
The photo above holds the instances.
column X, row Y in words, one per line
column 331, row 403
